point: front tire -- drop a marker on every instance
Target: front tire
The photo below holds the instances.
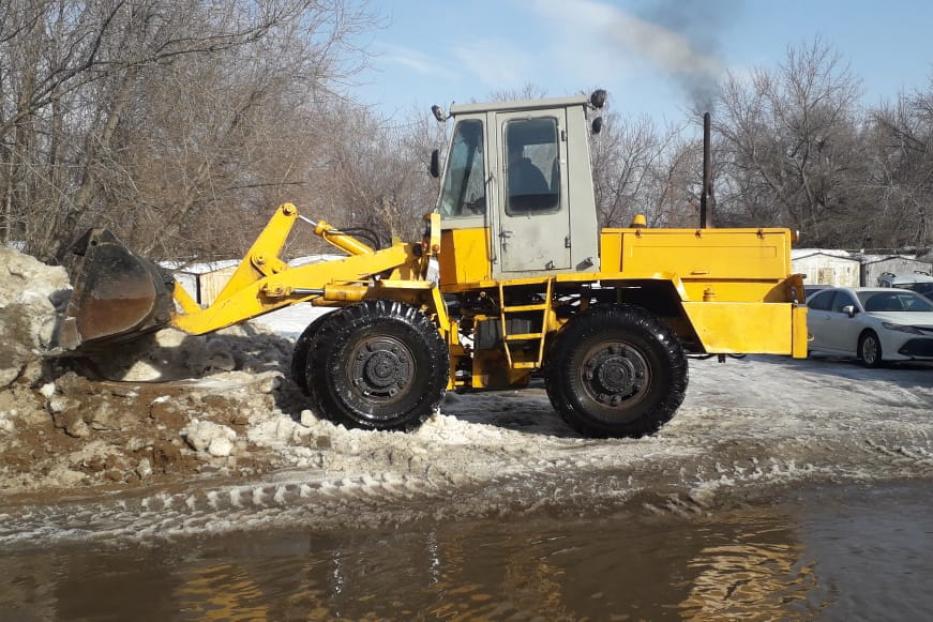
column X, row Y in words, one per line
column 300, row 353
column 869, row 349
column 616, row 371
column 377, row 365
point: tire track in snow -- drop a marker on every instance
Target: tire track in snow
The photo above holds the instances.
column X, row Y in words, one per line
column 697, row 463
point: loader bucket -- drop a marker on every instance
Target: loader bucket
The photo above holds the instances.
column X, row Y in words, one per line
column 116, row 296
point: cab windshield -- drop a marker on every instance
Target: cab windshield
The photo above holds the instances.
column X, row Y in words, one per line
column 464, row 189
column 895, row 300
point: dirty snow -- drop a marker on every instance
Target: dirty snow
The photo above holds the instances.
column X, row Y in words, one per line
column 229, row 444
column 29, row 291
column 746, row 427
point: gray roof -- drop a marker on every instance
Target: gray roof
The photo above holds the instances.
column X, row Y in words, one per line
column 521, row 104
column 872, row 260
column 824, row 254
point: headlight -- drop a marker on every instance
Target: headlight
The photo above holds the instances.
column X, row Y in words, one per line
column 901, row 328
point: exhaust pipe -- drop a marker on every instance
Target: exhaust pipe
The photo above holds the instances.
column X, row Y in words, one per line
column 705, row 195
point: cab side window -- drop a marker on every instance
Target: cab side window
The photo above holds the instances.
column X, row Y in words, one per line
column 532, row 166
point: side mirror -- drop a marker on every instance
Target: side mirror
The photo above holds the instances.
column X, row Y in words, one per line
column 435, row 167
column 597, row 125
column 849, row 310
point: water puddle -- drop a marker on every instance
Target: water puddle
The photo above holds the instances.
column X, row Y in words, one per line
column 827, row 553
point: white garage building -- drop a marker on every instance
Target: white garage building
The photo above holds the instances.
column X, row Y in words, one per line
column 831, row 267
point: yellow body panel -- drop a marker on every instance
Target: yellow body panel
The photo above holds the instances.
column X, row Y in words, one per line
column 736, row 327
column 740, row 265
column 699, row 253
column 735, row 285
column 464, row 257
column 726, row 264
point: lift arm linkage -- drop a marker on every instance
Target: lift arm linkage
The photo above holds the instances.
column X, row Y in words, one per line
column 263, row 282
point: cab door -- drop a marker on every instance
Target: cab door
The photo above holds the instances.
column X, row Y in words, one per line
column 532, row 224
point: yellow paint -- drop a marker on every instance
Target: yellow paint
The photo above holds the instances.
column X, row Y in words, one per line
column 185, row 301
column 546, row 308
column 801, row 336
column 264, row 283
column 345, row 293
column 699, row 253
column 737, row 327
column 342, row 241
column 735, row 286
column 492, row 371
column 740, row 265
column 465, row 257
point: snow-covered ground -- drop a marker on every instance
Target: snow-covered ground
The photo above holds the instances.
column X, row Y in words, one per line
column 231, row 446
column 746, row 427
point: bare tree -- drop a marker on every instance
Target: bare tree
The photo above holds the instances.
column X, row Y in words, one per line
column 146, row 115
column 640, row 169
column 901, row 149
column 375, row 171
column 792, row 137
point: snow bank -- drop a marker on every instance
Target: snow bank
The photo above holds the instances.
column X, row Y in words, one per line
column 99, row 420
column 170, row 354
column 28, row 292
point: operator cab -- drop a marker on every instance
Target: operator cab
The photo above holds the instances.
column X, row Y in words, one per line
column 516, row 198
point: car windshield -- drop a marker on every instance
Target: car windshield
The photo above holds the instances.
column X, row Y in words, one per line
column 923, row 288
column 895, row 300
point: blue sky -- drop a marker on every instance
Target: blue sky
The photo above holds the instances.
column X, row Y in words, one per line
column 435, row 51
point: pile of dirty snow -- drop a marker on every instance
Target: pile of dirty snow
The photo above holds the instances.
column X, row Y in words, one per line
column 164, row 408
column 29, row 291
column 170, row 354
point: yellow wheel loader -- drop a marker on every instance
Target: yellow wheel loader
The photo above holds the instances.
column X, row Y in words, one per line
column 513, row 278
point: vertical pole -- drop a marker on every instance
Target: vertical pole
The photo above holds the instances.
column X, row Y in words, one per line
column 705, row 194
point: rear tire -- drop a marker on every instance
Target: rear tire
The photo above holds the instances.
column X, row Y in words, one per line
column 616, row 371
column 869, row 349
column 377, row 365
column 300, row 353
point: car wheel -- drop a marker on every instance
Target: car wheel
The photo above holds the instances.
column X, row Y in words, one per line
column 869, row 349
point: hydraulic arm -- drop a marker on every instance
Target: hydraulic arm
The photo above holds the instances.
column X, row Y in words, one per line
column 119, row 295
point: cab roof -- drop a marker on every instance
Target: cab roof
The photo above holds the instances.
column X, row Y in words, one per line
column 520, row 104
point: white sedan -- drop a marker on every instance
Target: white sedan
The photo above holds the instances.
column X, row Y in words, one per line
column 874, row 325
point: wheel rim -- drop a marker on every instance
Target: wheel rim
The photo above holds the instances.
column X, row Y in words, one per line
column 381, row 371
column 869, row 350
column 615, row 375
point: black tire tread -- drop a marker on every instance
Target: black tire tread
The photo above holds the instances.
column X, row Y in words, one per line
column 299, row 361
column 861, row 339
column 334, row 333
column 596, row 320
